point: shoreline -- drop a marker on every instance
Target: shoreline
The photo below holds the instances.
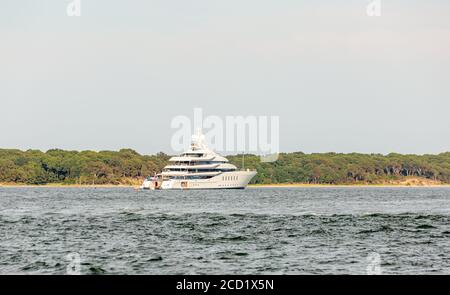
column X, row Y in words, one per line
column 67, row 186
column 276, row 185
column 306, row 185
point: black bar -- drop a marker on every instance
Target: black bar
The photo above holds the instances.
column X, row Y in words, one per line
column 233, row 284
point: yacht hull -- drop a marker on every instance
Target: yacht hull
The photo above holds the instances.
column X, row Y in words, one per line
column 227, row 180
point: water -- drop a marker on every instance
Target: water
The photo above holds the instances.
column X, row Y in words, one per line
column 252, row 231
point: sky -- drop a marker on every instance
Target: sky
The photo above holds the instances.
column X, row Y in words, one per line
column 116, row 76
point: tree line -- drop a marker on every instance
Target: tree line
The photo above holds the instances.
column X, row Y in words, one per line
column 129, row 167
column 337, row 168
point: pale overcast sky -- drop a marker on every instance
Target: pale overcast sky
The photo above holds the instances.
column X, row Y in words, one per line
column 115, row 77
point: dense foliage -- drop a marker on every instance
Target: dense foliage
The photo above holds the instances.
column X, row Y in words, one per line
column 127, row 166
column 71, row 167
column 333, row 168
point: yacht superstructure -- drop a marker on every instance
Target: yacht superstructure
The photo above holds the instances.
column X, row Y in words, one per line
column 199, row 168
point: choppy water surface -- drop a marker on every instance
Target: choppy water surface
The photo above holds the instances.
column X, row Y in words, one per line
column 252, row 231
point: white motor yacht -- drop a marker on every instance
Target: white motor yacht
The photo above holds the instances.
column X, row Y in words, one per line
column 199, row 168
